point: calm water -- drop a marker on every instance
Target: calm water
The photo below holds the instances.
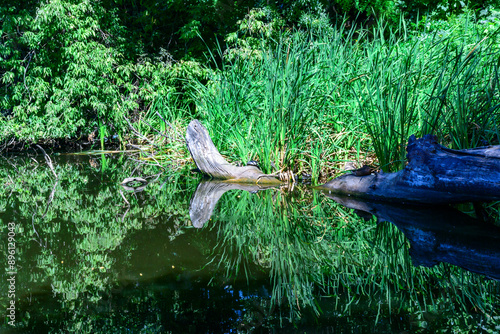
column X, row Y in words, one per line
column 182, row 255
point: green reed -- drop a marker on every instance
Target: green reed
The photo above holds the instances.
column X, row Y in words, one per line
column 312, row 100
column 275, row 106
column 464, row 99
column 160, row 131
column 441, row 82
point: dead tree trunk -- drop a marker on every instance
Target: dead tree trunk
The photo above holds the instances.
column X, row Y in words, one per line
column 434, row 174
column 210, row 162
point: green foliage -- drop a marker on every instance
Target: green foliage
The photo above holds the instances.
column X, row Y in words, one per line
column 442, row 9
column 292, row 10
column 443, row 82
column 391, row 10
column 380, row 8
column 67, row 73
column 63, row 82
column 308, row 99
column 313, row 94
column 489, row 18
column 257, row 28
column 176, row 25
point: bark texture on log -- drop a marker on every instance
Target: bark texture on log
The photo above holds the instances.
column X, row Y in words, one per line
column 209, row 161
column 434, row 174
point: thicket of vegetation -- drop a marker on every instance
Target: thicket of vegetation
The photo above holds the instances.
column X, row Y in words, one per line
column 303, row 84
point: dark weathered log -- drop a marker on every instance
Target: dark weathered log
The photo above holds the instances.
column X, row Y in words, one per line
column 207, row 195
column 209, row 161
column 434, row 174
column 438, row 234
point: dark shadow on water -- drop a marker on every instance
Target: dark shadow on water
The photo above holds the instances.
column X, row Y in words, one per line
column 438, row 234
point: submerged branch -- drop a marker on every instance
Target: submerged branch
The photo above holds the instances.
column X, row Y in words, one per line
column 51, row 197
column 48, row 160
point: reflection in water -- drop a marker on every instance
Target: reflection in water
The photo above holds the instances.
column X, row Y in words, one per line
column 134, row 184
column 439, row 234
column 106, row 257
column 207, row 195
column 277, row 231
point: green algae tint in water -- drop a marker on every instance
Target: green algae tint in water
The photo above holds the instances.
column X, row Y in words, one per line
column 93, row 256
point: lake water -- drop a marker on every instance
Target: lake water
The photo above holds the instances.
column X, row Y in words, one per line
column 181, row 255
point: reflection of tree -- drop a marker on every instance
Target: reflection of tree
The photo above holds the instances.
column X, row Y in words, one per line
column 79, row 225
column 316, row 247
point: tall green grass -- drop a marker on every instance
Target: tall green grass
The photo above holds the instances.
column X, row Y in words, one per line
column 275, row 106
column 265, row 107
column 311, row 100
column 439, row 82
column 161, row 129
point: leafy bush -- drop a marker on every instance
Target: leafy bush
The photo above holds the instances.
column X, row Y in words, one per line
column 61, row 82
column 66, row 75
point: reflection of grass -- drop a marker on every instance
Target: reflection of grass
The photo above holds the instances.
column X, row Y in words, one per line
column 318, row 248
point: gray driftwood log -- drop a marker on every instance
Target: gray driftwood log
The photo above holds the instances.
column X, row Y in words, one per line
column 210, row 162
column 434, row 174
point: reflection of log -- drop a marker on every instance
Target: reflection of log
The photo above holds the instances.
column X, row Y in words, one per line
column 434, row 174
column 210, row 161
column 439, row 234
column 207, row 195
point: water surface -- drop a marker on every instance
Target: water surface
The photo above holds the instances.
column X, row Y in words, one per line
column 185, row 255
